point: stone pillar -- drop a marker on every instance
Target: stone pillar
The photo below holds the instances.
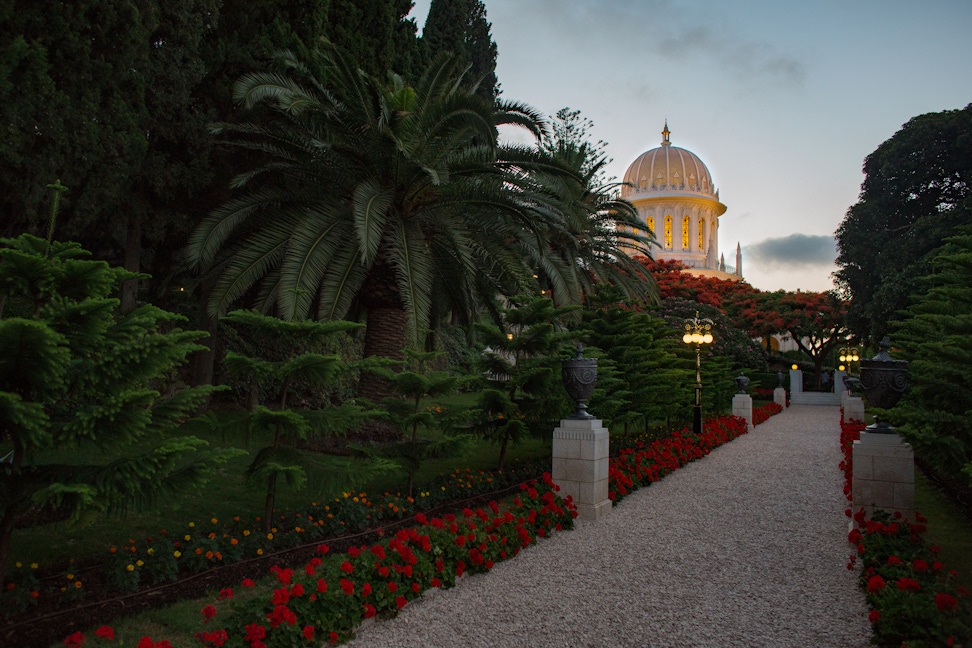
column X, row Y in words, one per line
column 742, row 405
column 580, row 465
column 884, row 474
column 796, row 381
column 853, row 408
column 779, row 397
column 839, row 387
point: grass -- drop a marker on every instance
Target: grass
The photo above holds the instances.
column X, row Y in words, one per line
column 948, row 529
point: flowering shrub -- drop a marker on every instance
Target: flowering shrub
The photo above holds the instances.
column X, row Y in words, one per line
column 912, row 601
column 167, row 555
column 761, row 414
column 327, row 598
column 643, row 463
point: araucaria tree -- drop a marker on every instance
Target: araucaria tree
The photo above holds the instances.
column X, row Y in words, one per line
column 75, row 373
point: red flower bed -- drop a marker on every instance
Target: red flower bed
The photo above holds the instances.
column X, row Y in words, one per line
column 762, row 414
column 911, row 598
column 326, row 599
column 645, row 463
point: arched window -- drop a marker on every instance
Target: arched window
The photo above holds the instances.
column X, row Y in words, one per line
column 701, row 234
column 650, row 221
column 685, row 232
column 668, row 231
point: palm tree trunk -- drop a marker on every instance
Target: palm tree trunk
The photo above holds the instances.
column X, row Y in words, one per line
column 384, row 337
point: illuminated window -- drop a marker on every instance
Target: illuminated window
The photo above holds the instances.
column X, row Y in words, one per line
column 701, row 233
column 685, row 232
column 650, row 221
column 668, row 232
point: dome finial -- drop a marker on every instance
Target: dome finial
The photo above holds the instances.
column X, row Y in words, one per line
column 665, row 134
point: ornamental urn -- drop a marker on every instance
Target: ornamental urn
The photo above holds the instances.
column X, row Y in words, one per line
column 580, row 375
column 741, row 382
column 883, row 382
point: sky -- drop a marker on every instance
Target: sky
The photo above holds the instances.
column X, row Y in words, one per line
column 781, row 100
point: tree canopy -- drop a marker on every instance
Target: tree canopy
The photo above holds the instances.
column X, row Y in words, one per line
column 915, row 194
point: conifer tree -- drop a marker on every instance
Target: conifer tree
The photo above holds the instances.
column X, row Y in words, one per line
column 935, row 413
column 521, row 371
column 75, row 373
column 460, row 27
column 643, row 351
column 275, row 420
column 416, row 410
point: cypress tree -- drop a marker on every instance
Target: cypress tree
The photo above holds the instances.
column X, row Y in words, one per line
column 460, row 27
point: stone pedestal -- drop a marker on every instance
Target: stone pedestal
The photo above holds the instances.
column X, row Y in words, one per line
column 884, row 474
column 854, row 408
column 742, row 405
column 779, row 397
column 839, row 387
column 580, row 465
column 796, row 381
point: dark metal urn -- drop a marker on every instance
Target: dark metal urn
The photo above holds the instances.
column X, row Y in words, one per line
column 883, row 382
column 580, row 375
column 779, row 378
column 741, row 382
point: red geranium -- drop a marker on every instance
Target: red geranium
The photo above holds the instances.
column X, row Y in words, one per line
column 208, row 612
column 874, row 616
column 945, row 602
column 875, row 584
column 908, row 584
column 309, row 633
column 74, row 640
column 105, row 632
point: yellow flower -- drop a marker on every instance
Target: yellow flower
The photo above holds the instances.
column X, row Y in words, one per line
column 187, row 538
column 33, row 565
column 246, row 532
column 269, row 536
column 130, row 568
column 192, row 524
column 77, row 584
column 214, row 520
column 259, row 552
column 139, row 563
column 177, row 554
column 18, row 564
column 150, row 551
column 70, row 576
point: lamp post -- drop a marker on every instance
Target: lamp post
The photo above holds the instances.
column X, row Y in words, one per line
column 698, row 332
column 848, row 355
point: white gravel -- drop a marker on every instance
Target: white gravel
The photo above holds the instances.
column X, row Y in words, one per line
column 746, row 547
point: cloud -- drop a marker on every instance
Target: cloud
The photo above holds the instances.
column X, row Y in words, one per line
column 793, row 251
column 650, row 37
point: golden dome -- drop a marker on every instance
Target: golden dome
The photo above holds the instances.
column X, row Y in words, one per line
column 670, row 169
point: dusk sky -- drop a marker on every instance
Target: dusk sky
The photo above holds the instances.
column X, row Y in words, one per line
column 782, row 101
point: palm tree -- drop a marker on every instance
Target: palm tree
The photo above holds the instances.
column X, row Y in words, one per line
column 599, row 227
column 371, row 198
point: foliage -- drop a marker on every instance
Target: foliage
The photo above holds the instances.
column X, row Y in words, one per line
column 816, row 322
column 282, row 459
column 730, row 349
column 415, row 408
column 915, row 194
column 653, row 381
column 330, row 596
column 935, row 413
column 521, row 392
column 912, row 600
column 459, row 27
column 601, row 229
column 76, row 373
column 712, row 291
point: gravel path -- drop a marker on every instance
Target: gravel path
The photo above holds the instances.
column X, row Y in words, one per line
column 746, row 547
